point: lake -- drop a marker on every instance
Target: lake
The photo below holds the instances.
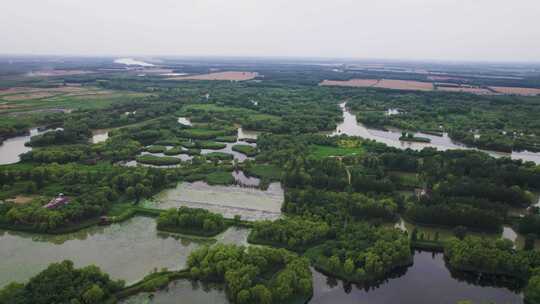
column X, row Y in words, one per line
column 129, row 250
column 427, row 281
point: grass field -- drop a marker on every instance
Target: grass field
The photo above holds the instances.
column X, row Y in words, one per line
column 320, row 152
column 219, row 178
column 233, row 111
column 264, row 171
column 67, row 98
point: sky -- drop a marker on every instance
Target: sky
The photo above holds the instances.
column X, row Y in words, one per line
column 472, row 30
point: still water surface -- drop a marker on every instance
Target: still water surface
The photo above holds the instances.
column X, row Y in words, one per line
column 249, row 203
column 427, row 281
column 128, row 250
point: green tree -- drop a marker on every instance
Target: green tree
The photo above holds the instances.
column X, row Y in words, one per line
column 93, row 295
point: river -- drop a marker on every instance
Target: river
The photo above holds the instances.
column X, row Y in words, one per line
column 350, row 126
column 12, row 148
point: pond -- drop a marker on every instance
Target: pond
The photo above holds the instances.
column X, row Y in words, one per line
column 427, row 281
column 247, row 134
column 250, row 203
column 128, row 250
column 350, row 126
column 240, row 157
column 242, row 179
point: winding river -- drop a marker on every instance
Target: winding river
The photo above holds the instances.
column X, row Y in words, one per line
column 350, row 126
column 12, row 148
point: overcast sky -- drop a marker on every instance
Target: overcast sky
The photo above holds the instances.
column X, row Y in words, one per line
column 488, row 30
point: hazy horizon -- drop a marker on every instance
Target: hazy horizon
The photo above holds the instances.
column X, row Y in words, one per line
column 406, row 30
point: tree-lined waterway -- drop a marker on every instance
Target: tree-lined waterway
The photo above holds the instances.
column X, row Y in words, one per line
column 350, row 126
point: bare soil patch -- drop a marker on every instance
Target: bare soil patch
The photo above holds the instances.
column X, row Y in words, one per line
column 473, row 90
column 22, row 199
column 383, row 83
column 404, row 85
column 231, row 75
column 361, row 83
column 8, row 106
column 24, row 96
column 517, row 91
column 48, row 73
column 444, row 78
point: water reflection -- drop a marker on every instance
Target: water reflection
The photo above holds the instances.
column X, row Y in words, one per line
column 128, row 250
column 427, row 281
column 190, row 292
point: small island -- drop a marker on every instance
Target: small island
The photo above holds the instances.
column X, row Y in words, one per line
column 405, row 136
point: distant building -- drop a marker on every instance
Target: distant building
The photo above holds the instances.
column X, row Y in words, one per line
column 58, row 201
column 422, row 192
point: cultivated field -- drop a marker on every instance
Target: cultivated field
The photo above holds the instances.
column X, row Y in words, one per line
column 351, row 83
column 231, row 76
column 383, row 83
column 404, row 85
column 19, row 99
column 52, row 73
column 479, row 91
column 517, row 91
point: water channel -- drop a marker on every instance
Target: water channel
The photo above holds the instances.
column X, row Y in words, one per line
column 350, row 126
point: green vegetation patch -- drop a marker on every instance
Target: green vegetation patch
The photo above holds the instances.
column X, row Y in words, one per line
column 158, row 160
column 199, row 133
column 211, row 145
column 245, row 149
column 219, row 156
column 156, row 149
column 319, row 151
column 293, row 233
column 62, row 283
column 229, row 139
column 174, row 151
column 362, row 253
column 268, row 275
column 264, row 171
column 194, row 221
column 219, row 178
